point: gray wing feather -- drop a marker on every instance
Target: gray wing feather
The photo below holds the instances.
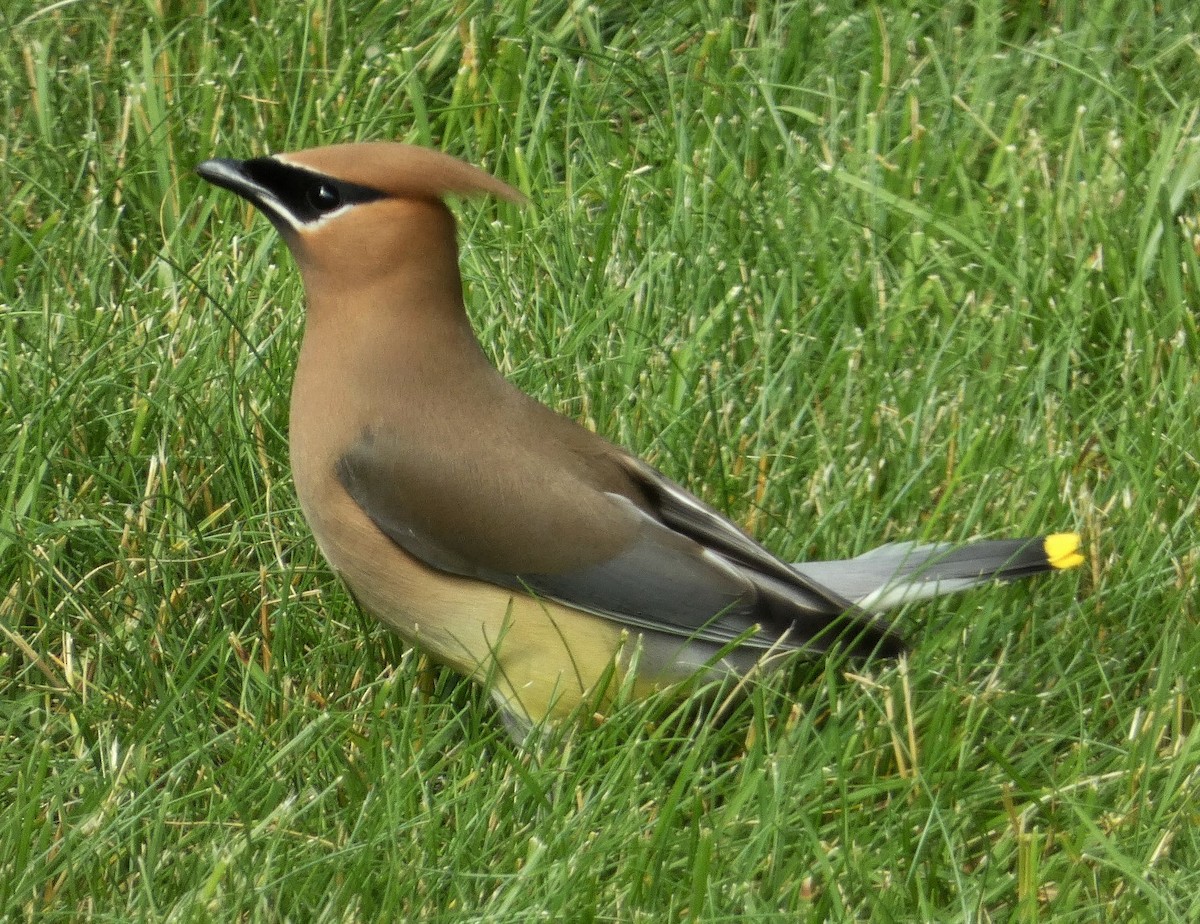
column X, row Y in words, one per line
column 688, row 572
column 660, row 582
column 692, row 517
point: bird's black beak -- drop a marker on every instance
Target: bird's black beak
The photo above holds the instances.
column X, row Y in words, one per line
column 244, row 178
column 229, row 174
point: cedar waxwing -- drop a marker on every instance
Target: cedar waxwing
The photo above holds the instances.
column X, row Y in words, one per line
column 505, row 540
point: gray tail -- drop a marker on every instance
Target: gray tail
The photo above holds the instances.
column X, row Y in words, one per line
column 902, row 572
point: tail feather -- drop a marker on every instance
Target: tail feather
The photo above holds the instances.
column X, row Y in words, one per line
column 903, row 572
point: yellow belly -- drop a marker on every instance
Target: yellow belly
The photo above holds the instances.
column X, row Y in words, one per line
column 537, row 658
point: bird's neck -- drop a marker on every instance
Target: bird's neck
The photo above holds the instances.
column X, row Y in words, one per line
column 401, row 347
column 398, row 340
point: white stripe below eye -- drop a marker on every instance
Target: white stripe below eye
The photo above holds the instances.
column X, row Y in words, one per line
column 324, row 219
column 280, row 209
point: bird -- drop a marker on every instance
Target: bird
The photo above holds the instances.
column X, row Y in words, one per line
column 504, row 540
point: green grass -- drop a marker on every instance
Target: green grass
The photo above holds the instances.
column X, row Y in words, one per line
column 852, row 273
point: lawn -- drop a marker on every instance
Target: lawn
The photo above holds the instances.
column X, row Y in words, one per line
column 852, row 273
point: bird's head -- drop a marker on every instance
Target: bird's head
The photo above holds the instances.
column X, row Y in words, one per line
column 354, row 211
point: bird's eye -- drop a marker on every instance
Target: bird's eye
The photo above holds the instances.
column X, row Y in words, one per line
column 324, row 197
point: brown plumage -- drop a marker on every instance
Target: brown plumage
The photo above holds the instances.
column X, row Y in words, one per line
column 504, row 539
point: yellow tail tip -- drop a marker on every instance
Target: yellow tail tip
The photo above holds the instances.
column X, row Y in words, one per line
column 1062, row 550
